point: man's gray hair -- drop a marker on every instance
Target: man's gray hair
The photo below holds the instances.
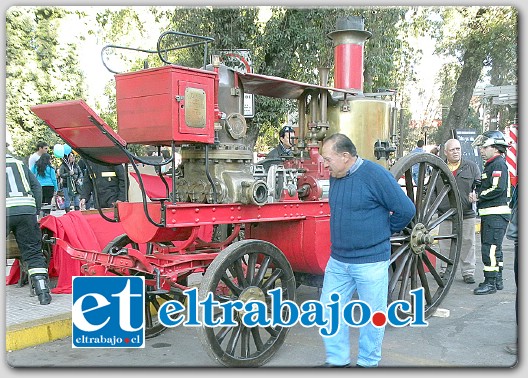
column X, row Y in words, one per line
column 342, row 143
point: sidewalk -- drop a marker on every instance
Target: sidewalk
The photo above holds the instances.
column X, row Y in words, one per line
column 473, row 335
column 27, row 322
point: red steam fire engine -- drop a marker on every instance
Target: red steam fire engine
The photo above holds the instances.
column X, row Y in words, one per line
column 271, row 218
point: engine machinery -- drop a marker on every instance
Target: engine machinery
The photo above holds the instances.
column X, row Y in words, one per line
column 172, row 105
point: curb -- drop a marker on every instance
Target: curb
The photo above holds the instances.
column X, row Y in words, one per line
column 38, row 332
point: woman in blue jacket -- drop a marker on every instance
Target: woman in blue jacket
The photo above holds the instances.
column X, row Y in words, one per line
column 47, row 177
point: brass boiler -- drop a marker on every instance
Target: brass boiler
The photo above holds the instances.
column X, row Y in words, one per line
column 365, row 121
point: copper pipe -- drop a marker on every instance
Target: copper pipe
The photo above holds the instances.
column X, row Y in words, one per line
column 323, row 81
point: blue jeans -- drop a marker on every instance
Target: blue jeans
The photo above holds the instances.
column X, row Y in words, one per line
column 371, row 283
column 68, row 199
column 415, row 177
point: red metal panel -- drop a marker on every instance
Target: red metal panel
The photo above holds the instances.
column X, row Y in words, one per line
column 305, row 254
column 316, row 249
column 185, row 126
column 152, row 108
column 181, row 215
column 284, row 235
column 71, row 121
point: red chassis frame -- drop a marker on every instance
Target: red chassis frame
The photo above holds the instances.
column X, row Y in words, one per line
column 187, row 253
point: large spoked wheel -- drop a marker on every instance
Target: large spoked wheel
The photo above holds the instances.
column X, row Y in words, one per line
column 153, row 298
column 416, row 257
column 246, row 270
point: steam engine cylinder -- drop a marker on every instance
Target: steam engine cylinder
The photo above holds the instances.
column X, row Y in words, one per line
column 227, row 163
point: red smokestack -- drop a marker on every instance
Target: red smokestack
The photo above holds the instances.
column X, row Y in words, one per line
column 349, row 39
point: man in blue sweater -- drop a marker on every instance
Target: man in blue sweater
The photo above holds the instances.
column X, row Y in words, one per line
column 367, row 206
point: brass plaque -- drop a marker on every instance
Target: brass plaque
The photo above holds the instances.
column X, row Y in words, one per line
column 195, row 108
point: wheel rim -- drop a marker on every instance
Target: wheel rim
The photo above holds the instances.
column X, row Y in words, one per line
column 245, row 270
column 153, row 299
column 47, row 248
column 415, row 250
column 152, row 304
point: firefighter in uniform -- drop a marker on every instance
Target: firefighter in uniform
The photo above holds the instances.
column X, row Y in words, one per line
column 286, row 142
column 23, row 202
column 492, row 202
column 110, row 182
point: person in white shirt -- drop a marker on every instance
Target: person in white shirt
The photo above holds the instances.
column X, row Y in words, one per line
column 42, row 148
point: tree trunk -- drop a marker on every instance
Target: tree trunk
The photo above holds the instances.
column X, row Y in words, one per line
column 459, row 110
column 476, row 52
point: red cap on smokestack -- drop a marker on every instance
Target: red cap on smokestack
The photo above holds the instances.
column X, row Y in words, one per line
column 349, row 39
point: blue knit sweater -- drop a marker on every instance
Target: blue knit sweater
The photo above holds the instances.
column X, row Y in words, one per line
column 366, row 207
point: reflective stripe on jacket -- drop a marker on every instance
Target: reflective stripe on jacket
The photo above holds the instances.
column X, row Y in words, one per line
column 23, row 191
column 494, row 190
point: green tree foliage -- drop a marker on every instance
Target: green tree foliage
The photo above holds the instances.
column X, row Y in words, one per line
column 295, row 44
column 291, row 43
column 39, row 69
column 117, row 24
column 481, row 38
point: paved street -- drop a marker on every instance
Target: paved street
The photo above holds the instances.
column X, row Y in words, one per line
column 473, row 335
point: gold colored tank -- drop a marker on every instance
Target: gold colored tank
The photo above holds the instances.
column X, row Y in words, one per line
column 365, row 121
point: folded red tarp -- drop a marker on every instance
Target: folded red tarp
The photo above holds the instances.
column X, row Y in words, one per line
column 83, row 231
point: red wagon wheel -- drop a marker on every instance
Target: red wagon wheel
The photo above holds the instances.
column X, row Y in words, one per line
column 415, row 250
column 246, row 271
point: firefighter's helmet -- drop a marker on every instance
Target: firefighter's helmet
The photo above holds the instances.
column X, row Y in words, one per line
column 490, row 138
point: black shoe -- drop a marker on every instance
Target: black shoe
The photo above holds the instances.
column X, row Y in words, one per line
column 498, row 281
column 469, row 279
column 39, row 283
column 487, row 287
column 44, row 298
column 327, row 365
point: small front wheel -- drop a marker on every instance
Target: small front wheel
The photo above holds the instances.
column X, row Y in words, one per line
column 153, row 298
